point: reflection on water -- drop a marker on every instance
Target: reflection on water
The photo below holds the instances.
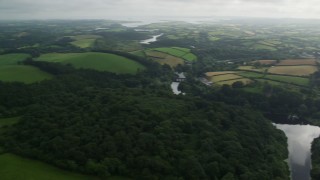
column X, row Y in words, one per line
column 300, row 138
column 153, row 39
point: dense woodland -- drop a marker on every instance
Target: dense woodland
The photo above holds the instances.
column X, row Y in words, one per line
column 105, row 124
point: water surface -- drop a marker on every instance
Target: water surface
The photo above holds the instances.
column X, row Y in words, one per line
column 300, row 138
column 153, row 39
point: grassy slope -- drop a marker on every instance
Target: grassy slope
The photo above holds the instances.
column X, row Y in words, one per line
column 172, row 51
column 178, row 52
column 84, row 41
column 293, row 70
column 13, row 167
column 97, row 61
column 12, row 59
column 22, row 73
column 289, row 79
column 8, row 121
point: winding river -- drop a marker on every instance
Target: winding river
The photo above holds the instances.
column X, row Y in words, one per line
column 300, row 138
column 153, row 39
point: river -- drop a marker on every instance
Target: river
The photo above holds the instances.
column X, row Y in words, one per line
column 300, row 138
column 153, row 39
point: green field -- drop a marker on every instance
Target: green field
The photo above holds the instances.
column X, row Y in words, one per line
column 84, row 41
column 172, row 51
column 138, row 53
column 8, row 121
column 22, row 73
column 182, row 49
column 190, row 57
column 251, row 74
column 97, row 61
column 183, row 53
column 12, row 59
column 289, row 79
column 13, row 167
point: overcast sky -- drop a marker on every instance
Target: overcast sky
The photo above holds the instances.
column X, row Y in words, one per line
column 122, row 9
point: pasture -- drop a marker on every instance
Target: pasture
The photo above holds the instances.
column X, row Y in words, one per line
column 217, row 73
column 252, row 68
column 224, row 77
column 295, row 62
column 190, row 57
column 289, row 79
column 172, row 61
column 97, row 61
column 84, row 41
column 293, row 70
column 164, row 58
column 172, row 51
column 251, row 74
column 12, row 59
column 183, row 53
column 22, row 73
column 14, row 167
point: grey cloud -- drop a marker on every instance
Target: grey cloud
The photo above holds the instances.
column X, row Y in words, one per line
column 42, row 9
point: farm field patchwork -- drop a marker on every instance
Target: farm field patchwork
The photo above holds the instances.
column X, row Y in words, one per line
column 250, row 74
column 293, row 70
column 97, row 61
column 22, row 73
column 183, row 53
column 224, row 77
column 252, row 68
column 289, row 79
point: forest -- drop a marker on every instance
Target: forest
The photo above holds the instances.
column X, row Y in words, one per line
column 106, row 125
column 132, row 126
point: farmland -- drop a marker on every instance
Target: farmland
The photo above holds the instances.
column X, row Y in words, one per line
column 289, row 79
column 97, row 61
column 22, row 73
column 293, row 70
column 13, row 167
column 224, row 77
column 12, row 59
column 84, row 41
column 183, row 53
column 12, row 71
column 252, row 68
